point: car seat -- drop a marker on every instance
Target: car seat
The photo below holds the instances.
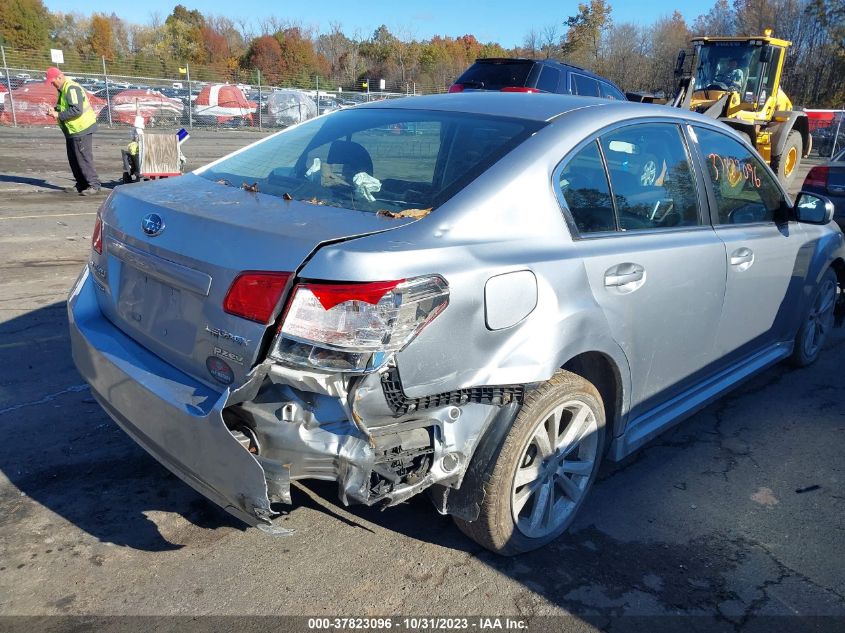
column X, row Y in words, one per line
column 353, row 158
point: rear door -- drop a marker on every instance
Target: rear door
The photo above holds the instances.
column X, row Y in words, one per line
column 654, row 264
column 765, row 267
column 582, row 85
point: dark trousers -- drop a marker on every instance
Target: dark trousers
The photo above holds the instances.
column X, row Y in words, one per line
column 80, row 155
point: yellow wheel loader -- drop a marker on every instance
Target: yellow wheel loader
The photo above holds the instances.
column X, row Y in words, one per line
column 737, row 80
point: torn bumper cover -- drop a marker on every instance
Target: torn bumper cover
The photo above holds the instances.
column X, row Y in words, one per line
column 176, row 419
column 242, row 448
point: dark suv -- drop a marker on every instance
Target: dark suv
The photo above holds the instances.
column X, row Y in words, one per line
column 531, row 75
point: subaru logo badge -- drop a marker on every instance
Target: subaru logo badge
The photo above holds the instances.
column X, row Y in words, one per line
column 152, row 224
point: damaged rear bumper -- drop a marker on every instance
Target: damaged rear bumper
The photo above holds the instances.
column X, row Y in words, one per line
column 176, row 419
column 241, row 448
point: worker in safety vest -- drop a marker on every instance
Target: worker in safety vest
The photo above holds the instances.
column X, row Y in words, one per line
column 76, row 117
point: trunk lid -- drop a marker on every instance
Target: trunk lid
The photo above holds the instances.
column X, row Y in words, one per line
column 166, row 290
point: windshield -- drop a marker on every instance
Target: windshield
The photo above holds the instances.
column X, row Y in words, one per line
column 376, row 160
column 728, row 66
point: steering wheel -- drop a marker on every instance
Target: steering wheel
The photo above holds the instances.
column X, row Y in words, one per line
column 718, row 85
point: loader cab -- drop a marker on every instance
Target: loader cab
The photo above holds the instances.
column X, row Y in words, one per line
column 749, row 67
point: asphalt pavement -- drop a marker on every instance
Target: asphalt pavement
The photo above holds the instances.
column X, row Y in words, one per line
column 739, row 512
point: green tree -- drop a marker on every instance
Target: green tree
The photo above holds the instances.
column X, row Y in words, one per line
column 583, row 39
column 183, row 35
column 24, row 24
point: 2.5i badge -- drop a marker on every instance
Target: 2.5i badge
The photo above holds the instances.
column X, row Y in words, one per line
column 222, row 353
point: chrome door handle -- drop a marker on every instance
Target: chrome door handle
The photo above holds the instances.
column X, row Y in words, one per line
column 623, row 274
column 742, row 256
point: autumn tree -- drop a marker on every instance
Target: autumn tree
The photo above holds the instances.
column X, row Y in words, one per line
column 24, row 24
column 100, row 36
column 265, row 54
column 301, row 61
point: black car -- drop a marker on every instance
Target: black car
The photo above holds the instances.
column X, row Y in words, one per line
column 532, row 75
column 829, row 140
column 829, row 180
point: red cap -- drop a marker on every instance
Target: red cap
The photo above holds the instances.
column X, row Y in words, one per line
column 52, row 73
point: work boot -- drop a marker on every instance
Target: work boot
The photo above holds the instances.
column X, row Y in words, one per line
column 90, row 191
column 71, row 189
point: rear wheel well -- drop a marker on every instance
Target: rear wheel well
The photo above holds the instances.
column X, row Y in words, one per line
column 602, row 372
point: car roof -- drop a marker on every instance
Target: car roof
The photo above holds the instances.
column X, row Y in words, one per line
column 554, row 63
column 545, row 62
column 530, row 106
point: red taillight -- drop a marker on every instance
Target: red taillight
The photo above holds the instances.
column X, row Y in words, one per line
column 255, row 295
column 97, row 237
column 456, row 88
column 355, row 327
column 518, row 89
column 330, row 295
column 817, row 177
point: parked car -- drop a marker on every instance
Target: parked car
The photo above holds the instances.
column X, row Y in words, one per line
column 399, row 313
column 327, row 104
column 829, row 140
column 534, row 75
column 829, row 180
column 288, row 107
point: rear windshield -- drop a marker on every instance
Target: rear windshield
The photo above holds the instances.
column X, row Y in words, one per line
column 376, row 160
column 496, row 75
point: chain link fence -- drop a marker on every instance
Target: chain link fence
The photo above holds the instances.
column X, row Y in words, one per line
column 168, row 95
column 827, row 128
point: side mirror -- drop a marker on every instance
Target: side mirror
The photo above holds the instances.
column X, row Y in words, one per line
column 812, row 208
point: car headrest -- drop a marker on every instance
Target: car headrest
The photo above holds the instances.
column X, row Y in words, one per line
column 351, row 155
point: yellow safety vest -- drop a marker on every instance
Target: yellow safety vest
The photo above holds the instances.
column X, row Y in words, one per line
column 84, row 120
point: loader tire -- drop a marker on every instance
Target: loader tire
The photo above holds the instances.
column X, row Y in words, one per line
column 786, row 164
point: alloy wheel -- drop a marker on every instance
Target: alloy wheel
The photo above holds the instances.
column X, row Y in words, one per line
column 820, row 319
column 554, row 469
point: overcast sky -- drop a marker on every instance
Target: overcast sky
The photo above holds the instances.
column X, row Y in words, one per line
column 494, row 20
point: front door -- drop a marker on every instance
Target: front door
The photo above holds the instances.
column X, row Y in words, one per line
column 765, row 262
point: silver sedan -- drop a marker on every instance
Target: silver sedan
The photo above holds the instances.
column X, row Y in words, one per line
column 480, row 296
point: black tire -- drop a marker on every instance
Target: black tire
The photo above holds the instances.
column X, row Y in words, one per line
column 789, row 159
column 817, row 322
column 496, row 529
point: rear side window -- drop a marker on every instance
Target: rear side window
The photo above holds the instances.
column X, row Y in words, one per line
column 745, row 192
column 609, row 92
column 549, row 79
column 583, row 185
column 496, row 75
column 375, row 159
column 653, row 184
column 583, row 85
